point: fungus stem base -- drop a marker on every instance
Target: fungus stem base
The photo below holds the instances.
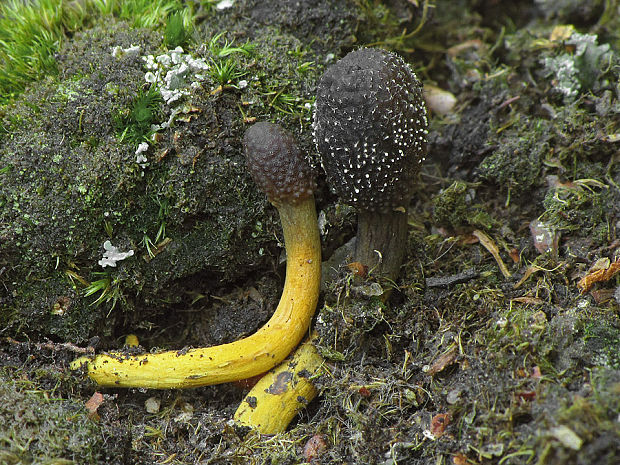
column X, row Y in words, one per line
column 278, row 396
column 385, row 233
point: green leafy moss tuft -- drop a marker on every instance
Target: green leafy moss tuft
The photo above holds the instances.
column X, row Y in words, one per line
column 454, row 207
column 176, row 34
column 134, row 123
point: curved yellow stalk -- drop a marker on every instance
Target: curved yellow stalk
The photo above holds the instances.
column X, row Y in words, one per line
column 278, row 396
column 246, row 357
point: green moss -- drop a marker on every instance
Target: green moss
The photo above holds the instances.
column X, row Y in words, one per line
column 579, row 206
column 518, row 329
column 176, row 34
column 29, row 37
column 602, row 339
column 585, row 428
column 282, row 80
column 205, row 241
column 134, row 122
column 454, row 207
column 87, row 186
column 145, row 13
column 37, row 426
column 380, row 23
column 31, row 33
column 517, row 163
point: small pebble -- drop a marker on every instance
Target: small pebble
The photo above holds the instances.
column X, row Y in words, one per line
column 454, row 396
column 152, row 404
column 438, row 100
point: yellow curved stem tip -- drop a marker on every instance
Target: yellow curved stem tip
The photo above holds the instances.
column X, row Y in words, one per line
column 79, row 362
column 278, row 396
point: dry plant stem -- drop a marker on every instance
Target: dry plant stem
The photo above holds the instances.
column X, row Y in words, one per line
column 385, row 233
column 278, row 396
column 247, row 357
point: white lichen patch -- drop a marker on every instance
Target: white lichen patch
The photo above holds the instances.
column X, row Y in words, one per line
column 113, row 255
column 224, row 5
column 569, row 71
column 175, row 73
column 118, row 52
column 566, row 80
column 140, row 154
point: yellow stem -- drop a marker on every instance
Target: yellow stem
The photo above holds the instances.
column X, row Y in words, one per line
column 244, row 358
column 278, row 396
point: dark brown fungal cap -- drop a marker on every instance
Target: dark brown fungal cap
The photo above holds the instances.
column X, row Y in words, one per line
column 276, row 164
column 370, row 129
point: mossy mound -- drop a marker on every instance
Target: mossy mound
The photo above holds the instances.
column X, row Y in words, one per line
column 185, row 209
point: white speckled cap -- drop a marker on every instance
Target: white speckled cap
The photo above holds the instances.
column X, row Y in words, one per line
column 370, row 129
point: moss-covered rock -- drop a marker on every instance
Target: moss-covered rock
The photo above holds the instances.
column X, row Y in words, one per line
column 326, row 26
column 81, row 167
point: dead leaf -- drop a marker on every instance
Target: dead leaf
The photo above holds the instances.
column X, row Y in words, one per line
column 468, row 239
column 315, row 447
column 545, row 237
column 526, row 395
column 601, row 264
column 602, row 295
column 464, row 46
column 515, row 255
column 442, row 362
column 528, row 300
column 439, row 423
column 489, row 244
column 459, row 459
column 156, row 250
column 93, row 404
column 600, row 275
column 358, row 269
column 528, row 272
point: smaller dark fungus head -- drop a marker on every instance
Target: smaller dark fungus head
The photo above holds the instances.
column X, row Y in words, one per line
column 276, row 164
